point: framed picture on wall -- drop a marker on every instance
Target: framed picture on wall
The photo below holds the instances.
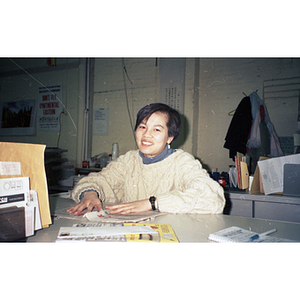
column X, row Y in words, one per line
column 17, row 117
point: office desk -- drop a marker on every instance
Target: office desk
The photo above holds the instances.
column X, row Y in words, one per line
column 271, row 207
column 188, row 227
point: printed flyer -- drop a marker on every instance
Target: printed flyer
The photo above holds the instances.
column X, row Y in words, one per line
column 49, row 107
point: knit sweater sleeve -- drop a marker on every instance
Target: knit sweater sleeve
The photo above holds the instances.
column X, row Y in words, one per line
column 109, row 183
column 196, row 192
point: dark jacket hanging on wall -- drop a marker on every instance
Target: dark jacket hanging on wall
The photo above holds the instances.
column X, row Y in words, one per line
column 239, row 129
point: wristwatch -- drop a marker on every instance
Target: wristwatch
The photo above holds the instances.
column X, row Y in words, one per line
column 152, row 201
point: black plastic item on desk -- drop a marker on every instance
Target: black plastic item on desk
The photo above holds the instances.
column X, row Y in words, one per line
column 291, row 179
column 12, row 224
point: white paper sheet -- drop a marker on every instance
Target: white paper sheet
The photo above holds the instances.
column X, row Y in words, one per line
column 67, row 232
column 103, row 216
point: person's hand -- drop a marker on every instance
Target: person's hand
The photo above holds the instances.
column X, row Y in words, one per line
column 89, row 201
column 131, row 207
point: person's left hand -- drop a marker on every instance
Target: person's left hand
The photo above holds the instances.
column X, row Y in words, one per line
column 131, row 207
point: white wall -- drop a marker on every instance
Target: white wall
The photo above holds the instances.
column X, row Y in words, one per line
column 109, row 91
column 213, row 87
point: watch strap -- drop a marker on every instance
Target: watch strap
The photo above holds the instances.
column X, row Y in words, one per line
column 152, row 200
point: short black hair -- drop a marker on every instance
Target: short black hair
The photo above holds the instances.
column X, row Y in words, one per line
column 173, row 123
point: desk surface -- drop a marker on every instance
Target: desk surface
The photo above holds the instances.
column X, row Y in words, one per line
column 188, row 227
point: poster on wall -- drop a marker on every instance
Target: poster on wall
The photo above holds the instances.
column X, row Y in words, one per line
column 101, row 121
column 49, row 107
column 17, row 117
column 172, row 82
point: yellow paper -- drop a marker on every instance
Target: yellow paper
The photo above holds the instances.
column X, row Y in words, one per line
column 165, row 232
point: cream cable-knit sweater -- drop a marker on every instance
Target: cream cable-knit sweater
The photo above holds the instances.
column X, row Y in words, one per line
column 179, row 183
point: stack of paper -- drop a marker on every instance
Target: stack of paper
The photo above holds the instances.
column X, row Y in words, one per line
column 23, row 183
column 15, row 195
column 236, row 234
column 27, row 160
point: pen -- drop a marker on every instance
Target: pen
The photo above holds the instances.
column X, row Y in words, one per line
column 256, row 236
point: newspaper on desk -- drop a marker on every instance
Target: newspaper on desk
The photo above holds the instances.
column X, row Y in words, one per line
column 102, row 232
column 84, row 225
column 118, row 232
column 102, row 226
column 105, row 217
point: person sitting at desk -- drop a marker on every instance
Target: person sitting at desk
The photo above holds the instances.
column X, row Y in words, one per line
column 154, row 177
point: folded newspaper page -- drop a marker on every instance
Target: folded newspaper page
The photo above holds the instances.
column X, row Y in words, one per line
column 77, row 232
column 117, row 232
column 106, row 217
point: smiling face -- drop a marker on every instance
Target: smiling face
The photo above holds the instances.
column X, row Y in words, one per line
column 152, row 135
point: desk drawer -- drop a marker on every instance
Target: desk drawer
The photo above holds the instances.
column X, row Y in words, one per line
column 277, row 211
column 241, row 208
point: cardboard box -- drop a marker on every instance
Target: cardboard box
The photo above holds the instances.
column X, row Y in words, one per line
column 257, row 186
